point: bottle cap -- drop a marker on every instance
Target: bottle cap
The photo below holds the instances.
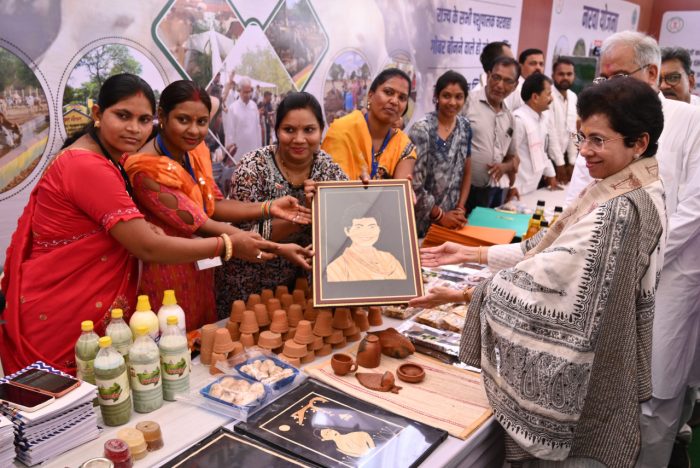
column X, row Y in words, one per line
column 558, row 209
column 537, row 216
column 171, row 320
column 117, row 313
column 540, row 202
column 169, row 297
column 141, row 330
column 544, row 223
column 143, row 303
column 105, row 342
column 87, row 326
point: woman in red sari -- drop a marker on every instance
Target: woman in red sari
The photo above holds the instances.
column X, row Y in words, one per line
column 174, row 187
column 74, row 254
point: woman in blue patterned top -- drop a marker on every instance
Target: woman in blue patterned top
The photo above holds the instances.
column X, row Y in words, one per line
column 442, row 174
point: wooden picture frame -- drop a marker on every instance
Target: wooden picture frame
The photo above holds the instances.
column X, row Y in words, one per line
column 366, row 245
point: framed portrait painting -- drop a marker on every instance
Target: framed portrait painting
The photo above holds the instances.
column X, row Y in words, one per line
column 366, row 245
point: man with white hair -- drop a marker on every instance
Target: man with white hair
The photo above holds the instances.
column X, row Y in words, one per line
column 675, row 356
column 242, row 123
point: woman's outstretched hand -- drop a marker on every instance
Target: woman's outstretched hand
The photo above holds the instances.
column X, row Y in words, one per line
column 288, row 208
column 251, row 247
column 448, row 253
column 437, row 296
column 296, row 254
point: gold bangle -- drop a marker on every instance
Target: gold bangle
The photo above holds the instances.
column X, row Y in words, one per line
column 228, row 250
column 467, row 294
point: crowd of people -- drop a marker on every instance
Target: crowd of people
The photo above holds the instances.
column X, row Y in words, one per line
column 587, row 334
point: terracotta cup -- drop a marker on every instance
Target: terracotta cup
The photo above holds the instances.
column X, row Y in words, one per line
column 237, row 308
column 233, row 330
column 361, row 319
column 302, row 283
column 207, row 340
column 270, row 340
column 323, row 326
column 266, row 295
column 249, row 324
column 237, row 348
column 216, row 357
column 342, row 318
column 290, row 334
column 310, row 314
column 252, row 300
column 279, row 322
column 299, row 297
column 369, row 352
column 341, row 344
column 222, row 342
column 375, row 316
column 343, row 364
column 309, row 357
column 247, row 340
column 317, row 343
column 294, row 349
column 273, row 304
column 294, row 314
column 296, row 362
column 353, row 338
column 335, row 337
column 352, row 330
column 286, row 300
column 304, row 334
column 262, row 315
column 281, row 290
column 325, row 350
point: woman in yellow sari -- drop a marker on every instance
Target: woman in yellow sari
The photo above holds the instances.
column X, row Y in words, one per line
column 368, row 143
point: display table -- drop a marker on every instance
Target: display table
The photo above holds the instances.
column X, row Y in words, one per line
column 182, row 425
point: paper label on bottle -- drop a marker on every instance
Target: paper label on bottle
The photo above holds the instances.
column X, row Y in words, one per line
column 85, row 370
column 176, row 365
column 144, row 376
column 111, row 392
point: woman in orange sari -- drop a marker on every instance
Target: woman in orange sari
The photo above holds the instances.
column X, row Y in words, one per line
column 174, row 186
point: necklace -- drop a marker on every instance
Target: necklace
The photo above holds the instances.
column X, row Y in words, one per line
column 287, row 173
column 447, row 128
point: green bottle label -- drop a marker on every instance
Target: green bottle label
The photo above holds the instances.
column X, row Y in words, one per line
column 85, row 370
column 176, row 366
column 144, row 376
column 113, row 391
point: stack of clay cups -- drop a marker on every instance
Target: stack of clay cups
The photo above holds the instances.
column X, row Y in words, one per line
column 235, row 319
column 299, row 297
column 361, row 319
column 249, row 328
column 262, row 316
column 252, row 300
column 309, row 312
column 280, row 291
column 336, row 339
column 375, row 316
column 270, row 341
column 286, row 300
column 305, row 336
column 207, row 343
column 279, row 323
column 302, row 284
column 223, row 346
column 293, row 352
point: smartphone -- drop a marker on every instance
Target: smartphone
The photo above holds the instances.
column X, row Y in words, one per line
column 22, row 398
column 41, row 381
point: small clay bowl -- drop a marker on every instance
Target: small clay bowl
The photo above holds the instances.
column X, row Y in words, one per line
column 411, row 373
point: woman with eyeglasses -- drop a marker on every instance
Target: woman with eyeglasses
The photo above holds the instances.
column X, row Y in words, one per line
column 562, row 332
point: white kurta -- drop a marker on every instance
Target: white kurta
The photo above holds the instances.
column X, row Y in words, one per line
column 530, row 137
column 695, row 100
column 242, row 127
column 564, row 122
column 675, row 353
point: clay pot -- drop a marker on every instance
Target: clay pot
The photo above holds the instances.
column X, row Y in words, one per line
column 325, row 350
column 316, row 344
column 354, row 338
column 340, row 344
column 207, row 343
column 323, row 326
column 335, row 337
column 290, row 334
column 304, row 334
column 266, row 295
column 249, row 324
column 222, row 342
column 369, row 353
column 375, row 316
column 296, row 362
column 294, row 349
column 411, row 373
column 279, row 322
column 237, row 348
column 247, row 340
column 252, row 300
column 270, row 340
column 281, row 290
column 394, row 344
column 294, row 314
column 311, row 314
column 379, row 382
column 273, row 305
column 342, row 318
column 343, row 364
column 237, row 308
column 216, row 357
column 361, row 319
column 232, row 328
column 310, row 356
column 286, row 300
column 352, row 330
column 302, row 283
column 299, row 297
column 262, row 316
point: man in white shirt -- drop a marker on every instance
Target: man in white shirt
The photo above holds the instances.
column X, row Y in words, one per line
column 563, row 112
column 675, row 356
column 532, row 132
column 242, row 122
column 677, row 78
column 531, row 61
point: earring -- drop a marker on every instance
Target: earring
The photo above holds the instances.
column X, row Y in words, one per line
column 97, row 124
column 637, row 156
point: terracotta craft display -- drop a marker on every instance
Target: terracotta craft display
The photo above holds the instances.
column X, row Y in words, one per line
column 378, row 382
column 343, row 364
column 369, row 353
column 394, row 344
column 411, row 373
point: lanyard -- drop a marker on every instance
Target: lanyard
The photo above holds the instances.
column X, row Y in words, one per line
column 375, row 156
column 120, row 168
column 188, row 166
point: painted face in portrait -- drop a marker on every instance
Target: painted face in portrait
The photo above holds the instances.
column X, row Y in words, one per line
column 125, row 126
column 364, row 232
column 186, row 125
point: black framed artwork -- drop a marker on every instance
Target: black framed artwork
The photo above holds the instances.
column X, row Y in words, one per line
column 366, row 245
column 325, row 427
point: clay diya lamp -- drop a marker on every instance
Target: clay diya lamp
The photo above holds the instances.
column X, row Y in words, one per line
column 343, row 364
column 247, row 340
column 394, row 344
column 249, row 324
column 273, row 305
column 262, row 316
column 294, row 361
column 294, row 349
column 222, row 342
column 351, row 330
column 207, row 337
column 335, row 337
column 302, row 284
column 299, row 297
column 286, row 300
column 369, row 353
column 411, row 373
column 325, row 350
column 270, row 340
column 375, row 316
column 379, row 382
column 216, row 357
column 233, row 330
column 237, row 308
column 294, row 314
column 323, row 326
column 266, row 295
column 279, row 321
column 304, row 334
column 281, row 290
column 342, row 318
column 316, row 344
column 310, row 356
column 361, row 319
column 252, row 300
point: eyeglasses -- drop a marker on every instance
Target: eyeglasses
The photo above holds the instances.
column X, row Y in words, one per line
column 595, row 143
column 506, row 81
column 603, row 79
column 671, row 79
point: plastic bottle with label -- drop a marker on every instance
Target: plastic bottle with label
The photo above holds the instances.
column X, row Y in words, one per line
column 170, row 307
column 144, row 372
column 175, row 360
column 144, row 316
column 120, row 333
column 112, row 380
column 86, row 349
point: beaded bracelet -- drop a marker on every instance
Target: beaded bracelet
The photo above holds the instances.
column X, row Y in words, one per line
column 228, row 251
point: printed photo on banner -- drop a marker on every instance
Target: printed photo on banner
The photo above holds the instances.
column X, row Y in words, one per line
column 365, row 243
column 346, row 85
